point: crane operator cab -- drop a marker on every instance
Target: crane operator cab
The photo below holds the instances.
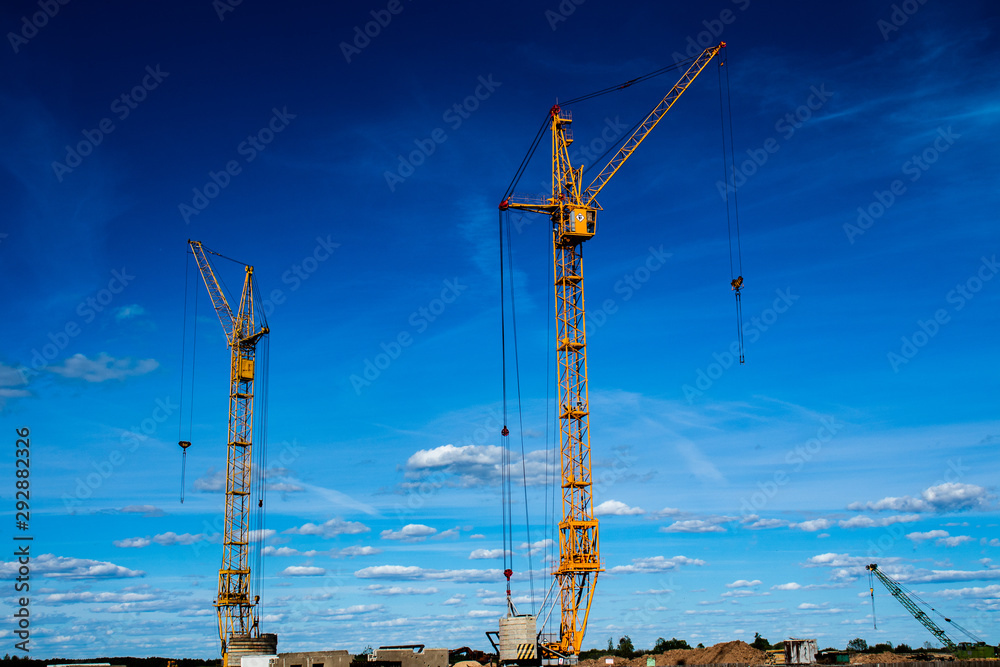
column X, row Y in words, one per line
column 576, row 225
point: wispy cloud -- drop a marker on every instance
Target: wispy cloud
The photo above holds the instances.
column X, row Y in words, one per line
column 103, row 368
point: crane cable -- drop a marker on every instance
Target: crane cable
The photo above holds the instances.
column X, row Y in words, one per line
column 506, row 463
column 736, row 279
column 871, row 589
column 184, row 444
column 604, row 91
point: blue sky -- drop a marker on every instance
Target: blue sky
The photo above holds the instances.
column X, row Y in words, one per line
column 734, row 500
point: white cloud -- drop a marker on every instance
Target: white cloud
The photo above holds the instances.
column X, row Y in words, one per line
column 283, row 551
column 743, row 583
column 331, row 528
column 616, row 508
column 947, row 497
column 411, row 532
column 62, row 567
column 667, row 511
column 257, row 535
column 11, row 377
column 790, row 586
column 414, row 573
column 302, row 571
column 103, row 368
column 693, row 526
column 864, row 521
column 377, row 589
column 456, row 599
column 90, row 596
column 128, row 312
column 133, row 543
column 979, row 592
column 655, row 564
column 474, row 465
column 484, row 554
column 762, row 524
column 928, row 535
column 145, row 510
column 537, row 547
column 358, row 551
column 812, row 525
column 171, row 538
column 953, row 541
column 212, row 481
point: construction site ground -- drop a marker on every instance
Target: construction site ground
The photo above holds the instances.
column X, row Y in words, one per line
column 741, row 653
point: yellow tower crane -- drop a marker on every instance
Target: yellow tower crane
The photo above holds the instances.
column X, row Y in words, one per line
column 573, row 211
column 236, row 610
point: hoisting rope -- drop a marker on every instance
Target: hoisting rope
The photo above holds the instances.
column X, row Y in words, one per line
column 736, row 279
column 507, row 496
column 180, row 413
column 871, row 589
column 259, row 471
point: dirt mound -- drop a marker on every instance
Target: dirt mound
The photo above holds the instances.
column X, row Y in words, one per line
column 735, row 652
column 872, row 658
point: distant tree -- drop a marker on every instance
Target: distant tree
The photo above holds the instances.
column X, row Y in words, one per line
column 760, row 643
column 857, row 645
column 928, row 646
column 881, row 647
column 625, row 647
column 903, row 648
column 669, row 645
column 781, row 646
column 700, row 645
column 611, row 645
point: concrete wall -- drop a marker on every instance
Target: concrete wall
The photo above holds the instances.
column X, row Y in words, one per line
column 317, row 659
column 406, row 657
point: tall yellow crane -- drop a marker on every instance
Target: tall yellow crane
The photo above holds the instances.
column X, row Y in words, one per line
column 573, row 211
column 237, row 612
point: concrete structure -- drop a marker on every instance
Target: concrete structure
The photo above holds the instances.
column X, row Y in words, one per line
column 259, row 661
column 238, row 647
column 408, row 656
column 518, row 642
column 315, row 659
column 800, row 651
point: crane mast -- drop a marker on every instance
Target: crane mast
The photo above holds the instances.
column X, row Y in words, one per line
column 237, row 613
column 573, row 211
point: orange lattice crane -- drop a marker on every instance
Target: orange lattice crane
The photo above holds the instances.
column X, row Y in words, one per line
column 573, row 211
column 237, row 610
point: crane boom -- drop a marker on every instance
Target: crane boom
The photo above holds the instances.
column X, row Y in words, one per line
column 574, row 221
column 237, row 613
column 650, row 122
column 910, row 605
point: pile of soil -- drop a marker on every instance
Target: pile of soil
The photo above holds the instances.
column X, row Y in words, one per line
column 872, row 658
column 735, row 652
